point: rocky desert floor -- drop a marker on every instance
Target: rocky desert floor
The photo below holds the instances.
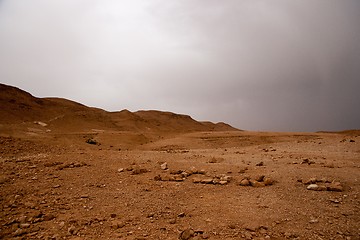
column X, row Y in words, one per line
column 203, row 185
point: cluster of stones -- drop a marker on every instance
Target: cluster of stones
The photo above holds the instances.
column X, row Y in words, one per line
column 72, row 165
column 177, row 175
column 92, row 141
column 350, row 140
column 323, row 185
column 259, row 181
column 221, row 179
column 26, row 224
column 192, row 234
column 202, row 177
column 135, row 170
column 307, row 161
column 165, row 178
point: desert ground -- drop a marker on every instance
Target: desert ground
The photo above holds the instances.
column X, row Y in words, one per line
column 73, row 172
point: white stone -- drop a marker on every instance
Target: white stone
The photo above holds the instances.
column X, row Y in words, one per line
column 312, row 187
column 164, row 166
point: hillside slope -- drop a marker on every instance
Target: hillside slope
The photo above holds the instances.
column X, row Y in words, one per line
column 18, row 106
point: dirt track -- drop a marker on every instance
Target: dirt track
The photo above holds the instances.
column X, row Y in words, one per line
column 56, row 186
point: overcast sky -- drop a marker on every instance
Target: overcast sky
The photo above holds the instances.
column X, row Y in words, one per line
column 274, row 65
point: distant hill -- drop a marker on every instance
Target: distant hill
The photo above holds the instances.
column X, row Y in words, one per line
column 355, row 132
column 18, row 106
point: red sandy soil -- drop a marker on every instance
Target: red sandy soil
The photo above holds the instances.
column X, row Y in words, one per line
column 73, row 172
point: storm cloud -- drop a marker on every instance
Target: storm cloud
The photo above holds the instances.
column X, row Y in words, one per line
column 257, row 64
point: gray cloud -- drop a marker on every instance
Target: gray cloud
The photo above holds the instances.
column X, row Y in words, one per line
column 257, row 64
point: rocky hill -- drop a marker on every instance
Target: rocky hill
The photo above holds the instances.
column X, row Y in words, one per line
column 18, row 106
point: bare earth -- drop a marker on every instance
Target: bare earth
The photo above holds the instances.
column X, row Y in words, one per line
column 56, row 186
column 73, row 172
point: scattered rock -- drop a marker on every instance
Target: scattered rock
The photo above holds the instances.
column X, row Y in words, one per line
column 166, row 178
column 259, row 178
column 205, row 235
column 260, row 164
column 335, row 187
column 150, row 215
column 252, row 227
column 186, row 234
column 202, row 172
column 181, row 215
column 248, row 236
column 324, row 186
column 196, row 180
column 92, row 141
column 72, row 165
column 336, row 201
column 120, row 170
column 37, row 214
column 245, row 182
column 316, row 187
column 116, row 224
column 52, row 164
column 138, row 170
column 24, row 225
column 164, row 166
column 176, row 171
column 323, row 180
column 314, row 221
column 216, row 160
column 307, row 161
column 22, row 219
column 268, row 181
column 313, row 187
column 40, row 123
column 207, row 180
column 329, row 165
column 310, row 181
column 177, row 178
column 72, row 230
column 232, row 226
column 49, row 217
column 291, row 235
column 243, row 170
column 216, row 181
column 255, row 183
column 225, row 178
column 259, row 181
column 19, row 232
column 192, row 170
column 213, row 160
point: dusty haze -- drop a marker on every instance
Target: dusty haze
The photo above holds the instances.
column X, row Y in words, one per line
column 258, row 65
